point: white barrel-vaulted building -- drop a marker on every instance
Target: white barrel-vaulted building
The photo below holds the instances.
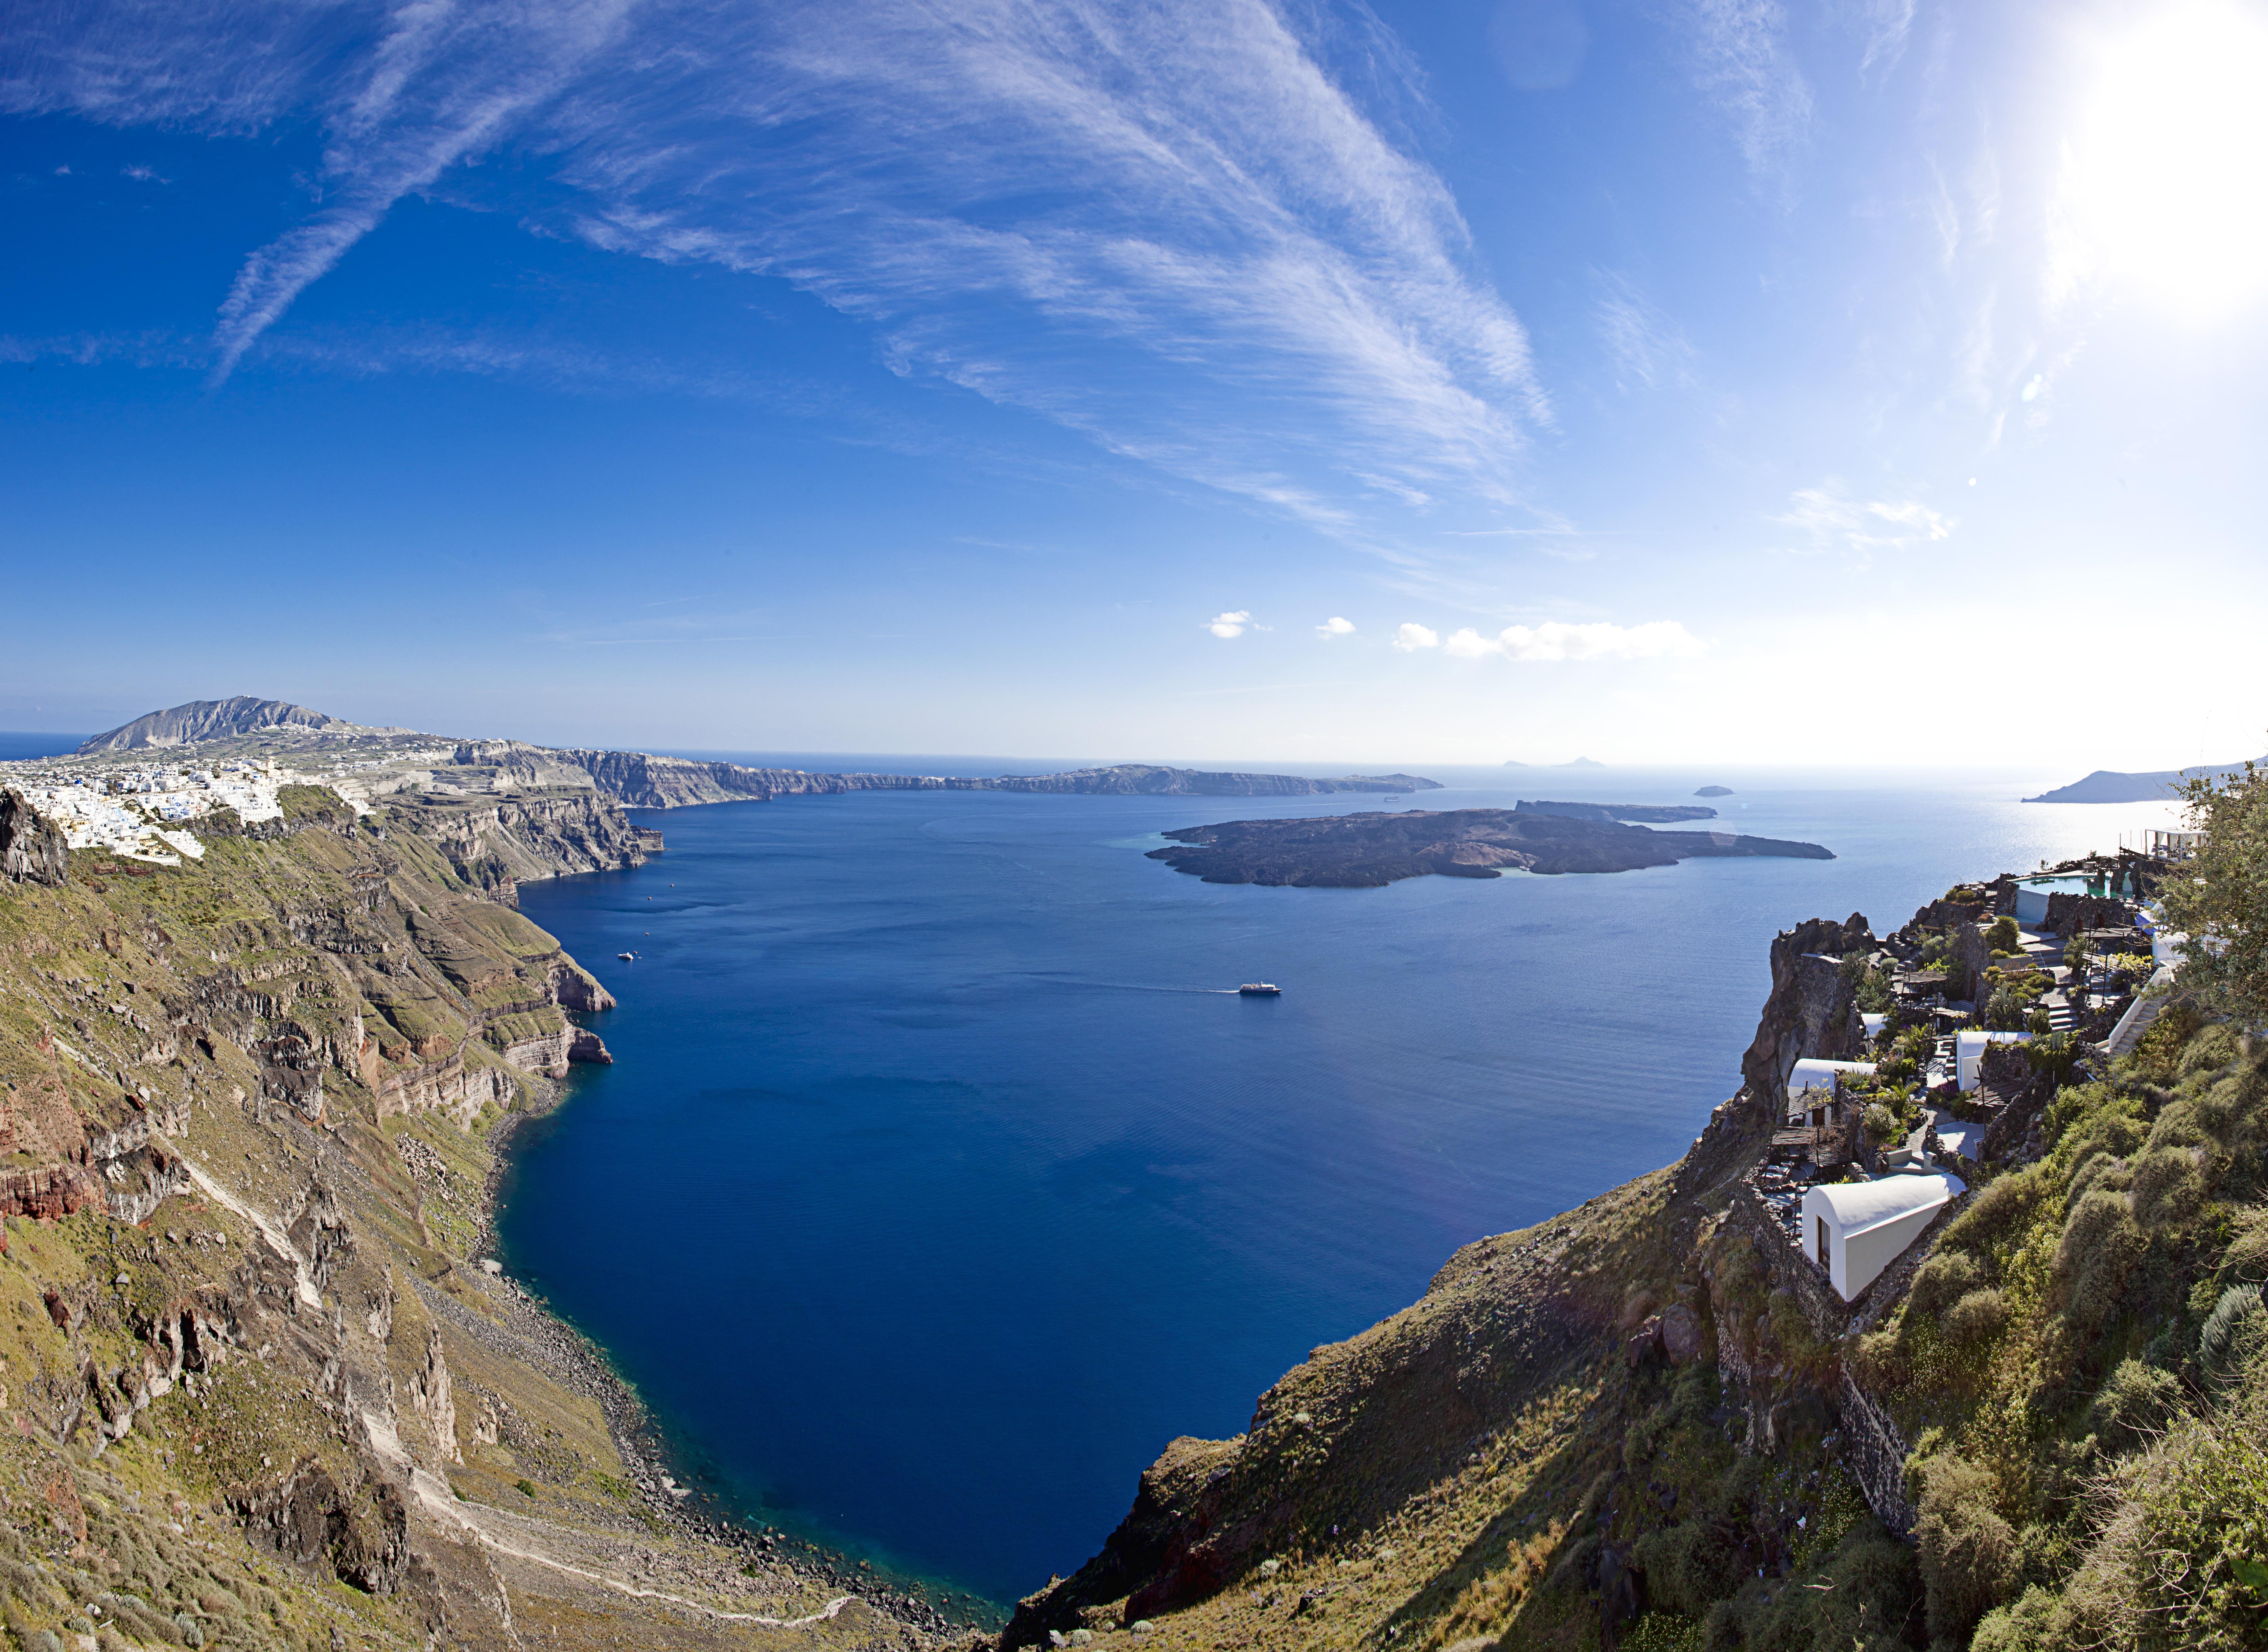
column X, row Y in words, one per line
column 1855, row 1229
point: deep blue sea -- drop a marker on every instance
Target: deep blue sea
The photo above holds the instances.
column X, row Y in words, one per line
column 942, row 1177
column 17, row 744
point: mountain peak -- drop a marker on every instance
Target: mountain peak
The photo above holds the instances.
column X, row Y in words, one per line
column 209, row 720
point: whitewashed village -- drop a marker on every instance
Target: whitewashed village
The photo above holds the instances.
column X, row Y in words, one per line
column 1959, row 1027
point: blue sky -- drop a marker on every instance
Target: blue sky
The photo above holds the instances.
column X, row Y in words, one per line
column 1710, row 381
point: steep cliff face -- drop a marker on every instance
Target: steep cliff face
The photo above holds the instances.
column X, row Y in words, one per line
column 260, row 1395
column 641, row 780
column 494, row 844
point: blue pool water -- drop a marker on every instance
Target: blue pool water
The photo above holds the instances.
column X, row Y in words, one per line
column 942, row 1177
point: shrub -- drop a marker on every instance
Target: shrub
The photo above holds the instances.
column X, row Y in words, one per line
column 2234, row 1330
column 2004, row 1010
column 1976, row 1320
column 1942, row 1281
column 2056, row 1054
column 2134, row 1402
column 1877, row 1361
column 1880, row 1124
column 2211, row 1050
column 1662, row 1631
column 2183, row 1561
column 2002, row 934
column 2097, row 1170
column 1967, row 1551
column 2169, row 1189
column 1687, row 1567
column 1858, row 1602
column 2023, row 1626
column 2100, row 1246
column 2006, row 1205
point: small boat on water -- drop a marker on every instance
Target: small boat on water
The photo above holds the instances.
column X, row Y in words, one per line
column 1260, row 989
column 626, row 956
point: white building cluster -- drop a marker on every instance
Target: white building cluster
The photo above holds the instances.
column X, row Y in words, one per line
column 145, row 813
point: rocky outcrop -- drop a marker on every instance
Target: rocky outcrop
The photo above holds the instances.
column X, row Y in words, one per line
column 575, row 988
column 1812, row 1010
column 451, row 1087
column 1367, row 851
column 32, row 849
column 305, row 1517
column 494, row 844
column 431, row 1397
column 551, row 1055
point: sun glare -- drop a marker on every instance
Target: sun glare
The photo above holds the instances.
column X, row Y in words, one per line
column 2164, row 170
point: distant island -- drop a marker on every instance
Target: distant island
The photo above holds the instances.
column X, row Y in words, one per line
column 1366, row 851
column 1714, row 791
column 1651, row 813
column 2109, row 785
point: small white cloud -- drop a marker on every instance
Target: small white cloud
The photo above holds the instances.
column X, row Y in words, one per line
column 1913, row 514
column 1829, row 520
column 144, row 175
column 62, row 171
column 1411, row 638
column 1335, row 626
column 1225, row 626
column 1555, row 640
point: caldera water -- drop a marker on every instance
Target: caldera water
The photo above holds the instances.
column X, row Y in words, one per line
column 942, row 1176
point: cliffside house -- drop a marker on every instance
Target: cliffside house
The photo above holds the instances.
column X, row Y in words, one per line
column 1968, row 1051
column 1855, row 1229
column 1811, row 1089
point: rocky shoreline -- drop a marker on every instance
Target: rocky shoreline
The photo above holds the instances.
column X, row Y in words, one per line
column 534, row 1331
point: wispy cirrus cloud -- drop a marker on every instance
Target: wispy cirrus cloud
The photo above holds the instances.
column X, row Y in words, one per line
column 1741, row 61
column 1645, row 347
column 1163, row 223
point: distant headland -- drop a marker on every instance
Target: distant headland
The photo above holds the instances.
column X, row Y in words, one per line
column 1366, row 851
column 365, row 762
column 2157, row 785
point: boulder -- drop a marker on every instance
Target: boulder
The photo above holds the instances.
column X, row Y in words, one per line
column 32, row 851
column 1681, row 1334
column 1645, row 1343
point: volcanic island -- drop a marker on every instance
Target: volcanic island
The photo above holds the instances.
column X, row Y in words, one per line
column 1372, row 849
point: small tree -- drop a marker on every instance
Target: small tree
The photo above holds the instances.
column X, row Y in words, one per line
column 2003, row 936
column 2221, row 894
